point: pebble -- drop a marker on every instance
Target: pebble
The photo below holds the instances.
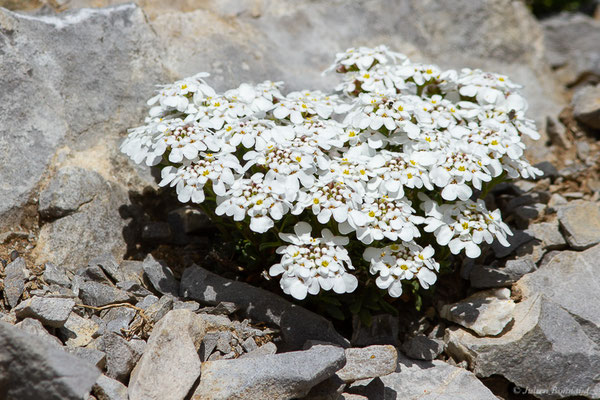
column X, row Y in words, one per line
column 55, row 275
column 368, row 362
column 93, row 356
column 107, row 388
column 580, row 221
column 266, row 349
column 121, row 355
column 50, row 311
column 14, row 281
column 160, row 276
column 421, row 347
column 98, row 294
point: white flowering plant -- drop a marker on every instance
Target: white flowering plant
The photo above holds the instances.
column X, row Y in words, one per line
column 354, row 188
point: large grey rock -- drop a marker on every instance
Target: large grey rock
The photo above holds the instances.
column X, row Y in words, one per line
column 161, row 276
column 14, row 281
column 50, row 311
column 296, row 323
column 279, row 376
column 49, row 66
column 33, row 369
column 553, row 343
column 571, row 42
column 98, row 221
column 170, row 364
column 586, row 105
column 580, row 221
column 368, row 362
column 424, row 380
column 486, row 313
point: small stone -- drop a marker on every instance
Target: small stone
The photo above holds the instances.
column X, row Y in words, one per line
column 486, row 313
column 55, row 275
column 93, row 273
column 14, row 281
column 249, row 345
column 170, row 365
column 583, row 149
column 14, row 255
column 368, row 362
column 517, row 239
column 557, row 133
column 92, row 356
column 421, row 347
column 526, row 213
column 190, row 220
column 107, row 388
column 586, row 106
column 279, row 376
column 118, row 319
column 209, row 343
column 580, row 221
column 329, row 389
column 121, row 356
column 548, row 169
column 384, row 329
column 109, row 265
column 224, row 308
column 160, row 276
column 186, row 305
column 35, row 328
column 266, row 349
column 157, row 310
column 50, row 311
column 134, row 288
column 79, row 331
column 548, row 234
column 224, row 342
column 132, row 270
column 98, row 294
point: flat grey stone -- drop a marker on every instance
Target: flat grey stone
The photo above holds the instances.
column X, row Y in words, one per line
column 486, row 313
column 99, row 294
column 420, row 347
column 78, row 331
column 484, row 277
column 170, row 365
column 55, row 275
column 249, row 345
column 423, row 380
column 368, row 362
column 580, row 221
column 118, row 319
column 109, row 265
column 268, row 348
column 131, row 270
column 110, row 52
column 209, row 343
column 296, row 323
column 161, row 276
column 156, row 310
column 548, row 234
column 553, row 342
column 93, row 273
column 134, row 288
column 50, row 311
column 278, row 376
column 58, row 375
column 35, row 328
column 14, row 281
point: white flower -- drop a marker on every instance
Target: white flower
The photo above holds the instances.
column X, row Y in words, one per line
column 401, row 262
column 311, row 264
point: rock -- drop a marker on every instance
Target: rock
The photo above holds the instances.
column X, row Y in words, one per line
column 170, row 364
column 516, row 240
column 421, row 347
column 249, row 345
column 106, row 388
column 548, row 169
column 424, row 380
column 14, row 281
column 329, row 389
column 484, row 277
column 486, row 313
column 55, row 275
column 35, row 328
column 160, row 276
column 134, row 288
column 268, row 348
column 209, row 343
column 586, row 104
column 548, row 234
column 296, row 323
column 156, row 232
column 580, row 221
column 557, row 133
column 132, row 270
column 118, row 319
column 384, row 329
column 368, row 362
column 93, row 273
column 50, row 311
column 58, row 375
column 121, row 355
column 109, row 265
column 158, row 309
column 68, row 190
column 98, row 294
column 78, row 331
column 571, row 42
column 99, row 221
column 278, row 376
column 110, row 52
column 224, row 342
column 186, row 305
column 92, row 356
column 553, row 341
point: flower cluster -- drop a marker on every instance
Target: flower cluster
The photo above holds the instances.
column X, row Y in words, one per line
column 399, row 154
